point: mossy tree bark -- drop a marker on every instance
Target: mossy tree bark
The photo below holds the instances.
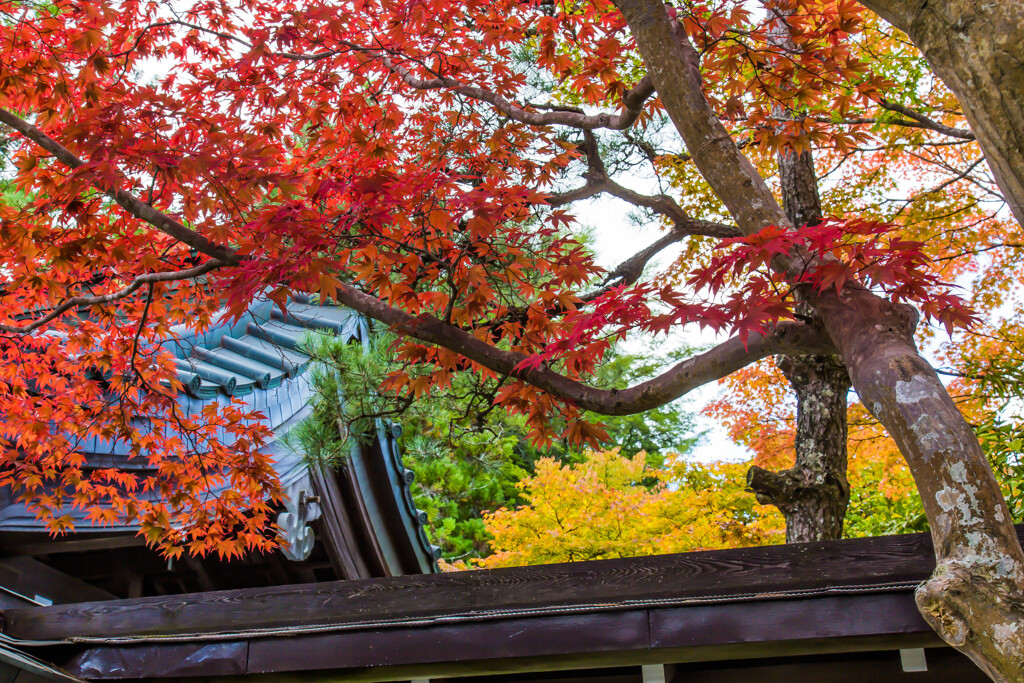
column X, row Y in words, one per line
column 813, row 494
column 975, row 599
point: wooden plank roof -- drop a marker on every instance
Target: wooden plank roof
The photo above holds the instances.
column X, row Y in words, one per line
column 835, row 568
column 797, row 599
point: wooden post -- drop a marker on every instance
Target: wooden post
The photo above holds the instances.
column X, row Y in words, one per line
column 654, row 673
column 913, row 659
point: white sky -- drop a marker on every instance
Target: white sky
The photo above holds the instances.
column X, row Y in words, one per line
column 616, row 238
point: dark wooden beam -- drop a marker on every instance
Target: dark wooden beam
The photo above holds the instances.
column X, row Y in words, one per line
column 340, row 537
column 806, row 569
column 945, row 665
column 705, row 633
column 36, row 581
column 695, row 633
column 23, row 543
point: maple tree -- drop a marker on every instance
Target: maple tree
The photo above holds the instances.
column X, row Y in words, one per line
column 391, row 156
column 926, row 162
column 978, row 67
column 966, row 239
column 612, row 505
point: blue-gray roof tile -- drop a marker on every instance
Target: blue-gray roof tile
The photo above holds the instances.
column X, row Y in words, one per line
column 259, row 360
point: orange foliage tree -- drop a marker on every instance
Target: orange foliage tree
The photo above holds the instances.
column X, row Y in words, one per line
column 926, row 177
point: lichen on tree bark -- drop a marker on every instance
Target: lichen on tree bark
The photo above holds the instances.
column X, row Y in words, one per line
column 814, row 494
column 975, row 542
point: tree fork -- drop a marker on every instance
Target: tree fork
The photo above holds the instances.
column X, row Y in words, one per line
column 818, row 493
column 813, row 494
column 975, row 542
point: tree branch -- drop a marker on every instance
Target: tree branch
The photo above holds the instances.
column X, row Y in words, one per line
column 626, row 273
column 722, row 360
column 598, row 182
column 630, row 270
column 147, row 279
column 695, row 372
column 300, row 57
column 897, row 12
column 925, row 122
column 632, row 101
column 904, row 123
column 129, row 203
column 672, row 63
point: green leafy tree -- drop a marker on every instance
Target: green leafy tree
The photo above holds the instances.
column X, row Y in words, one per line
column 467, row 453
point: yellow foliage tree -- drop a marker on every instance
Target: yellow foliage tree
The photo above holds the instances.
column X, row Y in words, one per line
column 612, row 506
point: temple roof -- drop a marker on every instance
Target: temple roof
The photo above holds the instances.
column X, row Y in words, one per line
column 363, row 513
column 257, row 353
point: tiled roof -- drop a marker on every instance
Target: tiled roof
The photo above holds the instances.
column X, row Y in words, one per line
column 257, row 359
column 258, row 352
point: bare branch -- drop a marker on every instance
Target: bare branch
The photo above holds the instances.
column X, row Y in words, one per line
column 722, row 360
column 960, row 175
column 632, row 101
column 630, row 270
column 598, row 182
column 626, row 273
column 904, row 123
column 926, row 122
column 76, row 301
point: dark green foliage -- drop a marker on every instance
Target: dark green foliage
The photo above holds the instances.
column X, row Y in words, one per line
column 467, row 454
column 1001, row 433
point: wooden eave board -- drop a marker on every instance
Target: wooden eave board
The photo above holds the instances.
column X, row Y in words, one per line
column 806, row 570
column 775, row 628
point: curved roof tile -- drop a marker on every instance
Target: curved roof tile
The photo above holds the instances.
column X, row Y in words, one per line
column 259, row 359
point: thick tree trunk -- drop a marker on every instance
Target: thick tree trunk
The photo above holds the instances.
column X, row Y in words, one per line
column 799, row 184
column 814, row 493
column 974, row 46
column 975, row 599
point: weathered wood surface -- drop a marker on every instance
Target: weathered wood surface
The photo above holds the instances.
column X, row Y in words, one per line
column 794, row 627
column 767, row 629
column 34, row 580
column 339, row 535
column 832, row 567
column 28, row 543
column 790, row 626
